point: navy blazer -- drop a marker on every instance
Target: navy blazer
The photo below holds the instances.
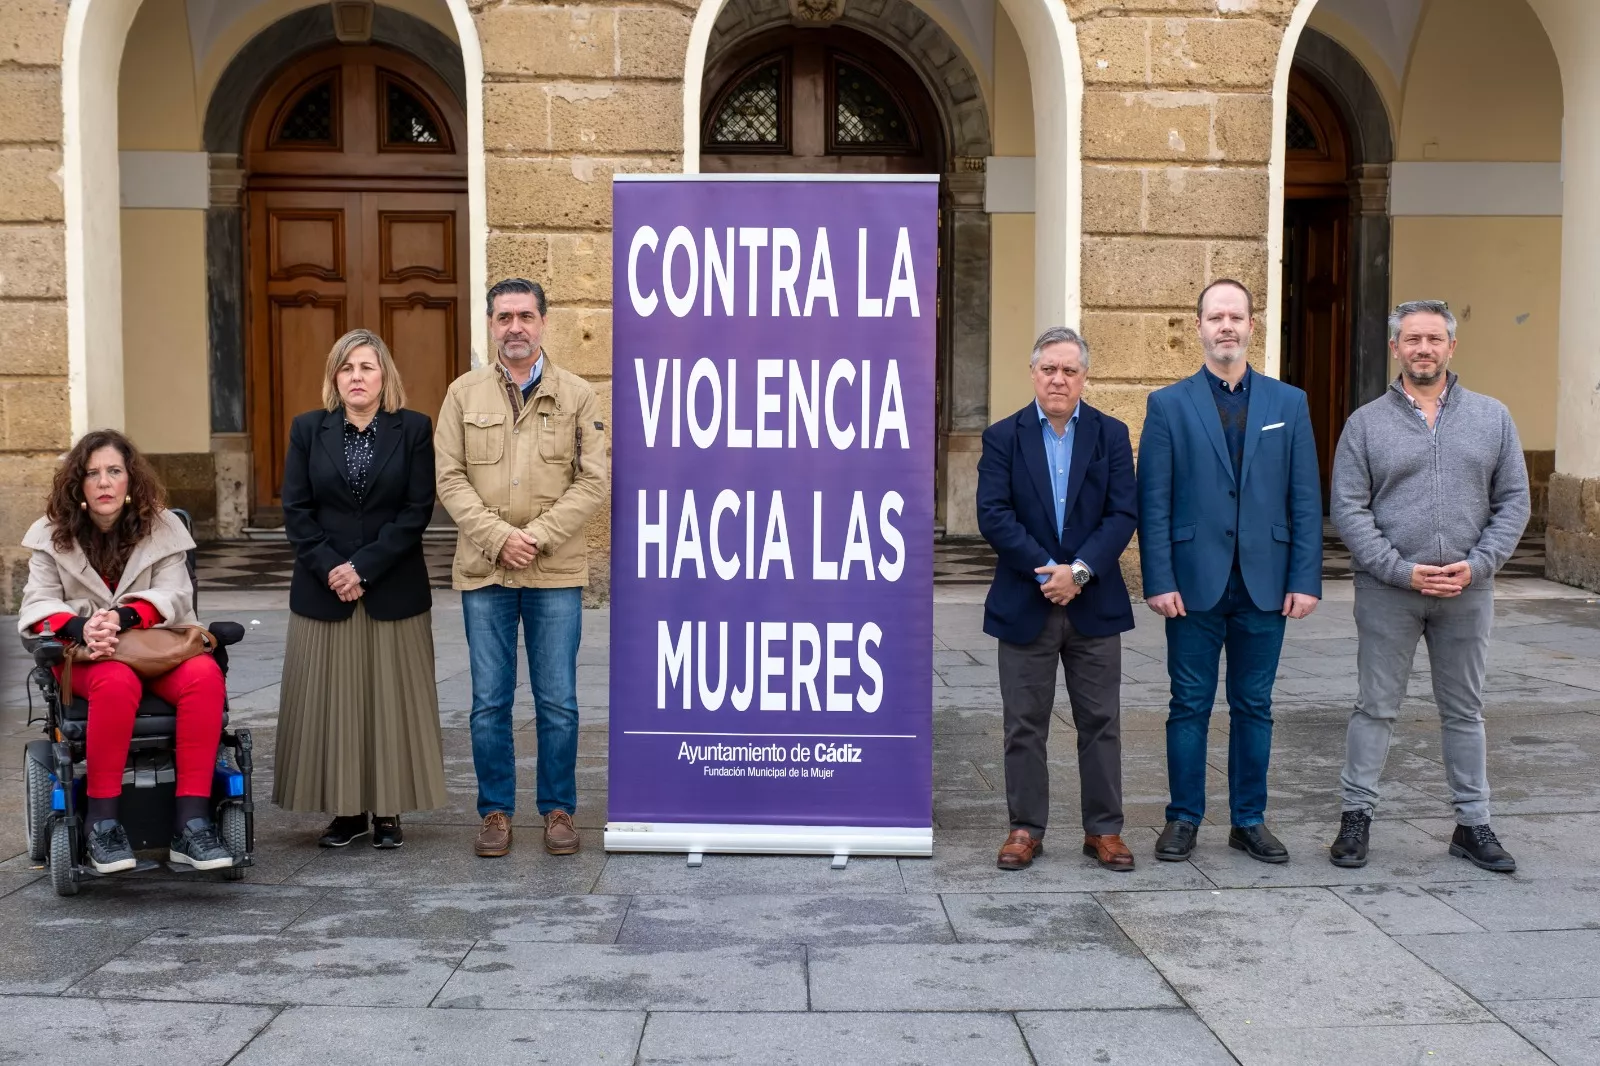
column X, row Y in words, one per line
column 1189, row 504
column 380, row 534
column 1017, row 516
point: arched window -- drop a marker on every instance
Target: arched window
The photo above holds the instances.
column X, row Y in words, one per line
column 310, row 119
column 409, row 122
column 865, row 116
column 1300, row 134
column 753, row 113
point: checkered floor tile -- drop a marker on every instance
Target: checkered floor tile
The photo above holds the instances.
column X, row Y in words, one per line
column 268, row 565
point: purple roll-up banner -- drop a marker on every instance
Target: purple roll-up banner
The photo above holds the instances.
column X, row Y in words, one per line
column 772, row 513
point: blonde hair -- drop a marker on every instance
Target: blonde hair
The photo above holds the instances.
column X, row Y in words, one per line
column 391, row 398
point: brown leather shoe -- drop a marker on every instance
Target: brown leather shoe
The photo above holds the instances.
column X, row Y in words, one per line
column 1109, row 851
column 1019, row 850
column 494, row 839
column 559, row 836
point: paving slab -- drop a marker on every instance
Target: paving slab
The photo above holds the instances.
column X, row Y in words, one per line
column 1030, row 918
column 1122, row 1038
column 1519, row 904
column 1294, row 957
column 964, row 861
column 471, row 912
column 147, row 905
column 1545, row 845
column 1567, row 1030
column 741, row 875
column 441, row 856
column 1542, row 965
column 883, row 1039
column 693, row 921
column 420, row 1037
column 357, row 971
column 46, row 957
column 589, row 977
column 47, row 1030
column 1406, row 909
column 1006, row 977
column 1481, row 1044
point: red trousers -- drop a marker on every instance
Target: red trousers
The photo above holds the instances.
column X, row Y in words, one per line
column 113, row 690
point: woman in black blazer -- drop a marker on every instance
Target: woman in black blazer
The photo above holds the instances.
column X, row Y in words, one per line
column 358, row 719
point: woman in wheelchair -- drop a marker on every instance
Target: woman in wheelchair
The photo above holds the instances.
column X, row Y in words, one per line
column 108, row 557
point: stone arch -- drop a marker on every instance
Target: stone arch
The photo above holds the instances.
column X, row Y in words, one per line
column 96, row 33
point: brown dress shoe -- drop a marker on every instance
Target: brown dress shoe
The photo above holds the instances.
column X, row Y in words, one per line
column 494, row 839
column 559, row 836
column 1109, row 851
column 1019, row 850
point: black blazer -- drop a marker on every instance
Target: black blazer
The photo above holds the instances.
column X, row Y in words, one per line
column 381, row 535
column 1017, row 516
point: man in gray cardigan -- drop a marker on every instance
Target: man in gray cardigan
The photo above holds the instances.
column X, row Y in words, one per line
column 1430, row 494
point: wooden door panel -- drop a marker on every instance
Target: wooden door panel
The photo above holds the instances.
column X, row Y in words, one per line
column 1316, row 320
column 303, row 329
column 421, row 334
column 416, row 244
column 304, row 243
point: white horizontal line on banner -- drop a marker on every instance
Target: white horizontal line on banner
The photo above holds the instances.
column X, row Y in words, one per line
column 771, row 736
column 876, row 178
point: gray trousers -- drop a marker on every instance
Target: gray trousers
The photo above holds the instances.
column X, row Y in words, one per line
column 1028, row 693
column 1388, row 622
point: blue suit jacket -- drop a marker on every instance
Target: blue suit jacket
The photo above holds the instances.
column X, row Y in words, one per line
column 1017, row 516
column 1189, row 503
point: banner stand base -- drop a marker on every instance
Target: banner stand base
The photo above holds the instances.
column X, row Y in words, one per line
column 836, row 841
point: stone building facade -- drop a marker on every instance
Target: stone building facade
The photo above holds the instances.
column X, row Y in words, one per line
column 1101, row 161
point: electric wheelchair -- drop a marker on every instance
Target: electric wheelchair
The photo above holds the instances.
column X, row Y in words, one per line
column 54, row 771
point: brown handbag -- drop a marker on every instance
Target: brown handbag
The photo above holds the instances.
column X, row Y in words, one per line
column 150, row 653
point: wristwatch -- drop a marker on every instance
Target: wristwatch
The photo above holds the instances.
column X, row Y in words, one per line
column 1080, row 573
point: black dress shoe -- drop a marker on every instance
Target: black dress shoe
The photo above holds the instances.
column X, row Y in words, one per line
column 1479, row 846
column 1176, row 842
column 386, row 832
column 1350, row 846
column 344, row 829
column 1256, row 842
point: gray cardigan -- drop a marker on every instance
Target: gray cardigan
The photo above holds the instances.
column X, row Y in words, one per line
column 1403, row 494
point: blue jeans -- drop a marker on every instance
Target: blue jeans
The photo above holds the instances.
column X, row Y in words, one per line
column 553, row 620
column 1253, row 638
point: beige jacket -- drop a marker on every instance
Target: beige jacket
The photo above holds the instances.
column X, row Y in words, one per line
column 500, row 470
column 65, row 583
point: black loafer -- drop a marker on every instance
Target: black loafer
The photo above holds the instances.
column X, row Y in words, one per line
column 1349, row 848
column 1176, row 842
column 386, row 832
column 344, row 829
column 1479, row 846
column 1256, row 842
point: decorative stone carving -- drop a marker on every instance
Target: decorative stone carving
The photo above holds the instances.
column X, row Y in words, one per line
column 816, row 12
column 352, row 21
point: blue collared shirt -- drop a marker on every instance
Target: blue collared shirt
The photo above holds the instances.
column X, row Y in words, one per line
column 1058, row 457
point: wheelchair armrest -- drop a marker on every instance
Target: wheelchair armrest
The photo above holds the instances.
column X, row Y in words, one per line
column 227, row 632
column 48, row 652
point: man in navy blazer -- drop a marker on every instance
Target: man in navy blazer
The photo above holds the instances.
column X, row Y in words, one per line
column 1057, row 502
column 1230, row 542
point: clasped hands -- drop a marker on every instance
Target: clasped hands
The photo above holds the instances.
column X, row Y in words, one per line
column 1441, row 581
column 1060, row 589
column 100, row 634
column 1170, row 605
column 346, row 583
column 519, row 551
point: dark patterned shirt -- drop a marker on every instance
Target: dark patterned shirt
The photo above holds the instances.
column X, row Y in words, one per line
column 1233, row 407
column 360, row 445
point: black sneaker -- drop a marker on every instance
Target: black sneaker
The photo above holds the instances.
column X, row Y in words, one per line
column 344, row 829
column 1350, row 846
column 109, row 850
column 200, row 847
column 386, row 832
column 1479, row 846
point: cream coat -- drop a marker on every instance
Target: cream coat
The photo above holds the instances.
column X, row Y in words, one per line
column 65, row 583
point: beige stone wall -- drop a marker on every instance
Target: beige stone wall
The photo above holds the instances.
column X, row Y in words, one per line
column 574, row 95
column 1177, row 132
column 35, row 423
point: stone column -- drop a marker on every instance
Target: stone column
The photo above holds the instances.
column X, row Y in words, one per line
column 966, row 317
column 1369, row 283
column 35, row 413
column 225, row 318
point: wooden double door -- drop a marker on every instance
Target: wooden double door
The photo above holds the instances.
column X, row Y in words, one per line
column 357, row 218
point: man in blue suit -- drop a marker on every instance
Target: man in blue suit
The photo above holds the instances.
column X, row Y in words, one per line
column 1230, row 540
column 1058, row 503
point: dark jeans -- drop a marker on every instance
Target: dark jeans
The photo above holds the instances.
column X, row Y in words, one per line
column 553, row 621
column 1253, row 638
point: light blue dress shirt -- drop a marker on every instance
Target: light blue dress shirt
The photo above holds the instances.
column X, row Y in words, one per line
column 1058, row 456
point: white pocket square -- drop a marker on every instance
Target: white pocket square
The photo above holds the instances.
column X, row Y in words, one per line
column 1275, row 425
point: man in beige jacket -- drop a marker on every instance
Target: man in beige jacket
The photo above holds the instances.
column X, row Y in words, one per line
column 521, row 467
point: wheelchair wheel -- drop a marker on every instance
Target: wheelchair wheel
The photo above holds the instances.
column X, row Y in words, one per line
column 61, row 859
column 36, row 809
column 232, row 829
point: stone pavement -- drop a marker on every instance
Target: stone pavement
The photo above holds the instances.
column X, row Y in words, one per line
column 431, row 955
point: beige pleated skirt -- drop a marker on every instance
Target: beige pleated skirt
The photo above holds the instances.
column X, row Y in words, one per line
column 358, row 718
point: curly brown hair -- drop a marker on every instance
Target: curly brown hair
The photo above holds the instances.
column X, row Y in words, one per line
column 106, row 551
